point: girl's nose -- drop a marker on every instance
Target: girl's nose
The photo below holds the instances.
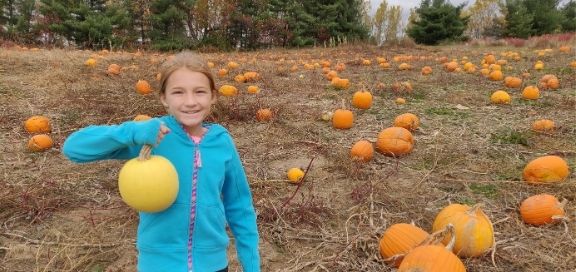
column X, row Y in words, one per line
column 189, row 99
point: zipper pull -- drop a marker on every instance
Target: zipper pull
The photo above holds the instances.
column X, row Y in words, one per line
column 198, row 157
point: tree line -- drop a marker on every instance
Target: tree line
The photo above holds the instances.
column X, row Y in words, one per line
column 253, row 24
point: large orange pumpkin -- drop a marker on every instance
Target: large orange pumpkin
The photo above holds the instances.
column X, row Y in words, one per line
column 399, row 239
column 546, row 169
column 395, row 141
column 431, row 258
column 541, row 209
column 531, row 93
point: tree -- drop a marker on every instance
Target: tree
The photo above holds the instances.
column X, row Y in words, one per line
column 437, row 21
column 518, row 20
column 568, row 22
column 482, row 16
column 168, row 26
column 546, row 16
column 393, row 23
column 379, row 26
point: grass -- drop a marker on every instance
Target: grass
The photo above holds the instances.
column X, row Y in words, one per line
column 74, row 220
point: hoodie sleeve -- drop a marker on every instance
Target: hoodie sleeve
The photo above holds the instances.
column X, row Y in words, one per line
column 121, row 141
column 240, row 213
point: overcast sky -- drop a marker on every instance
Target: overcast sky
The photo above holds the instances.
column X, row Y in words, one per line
column 408, row 4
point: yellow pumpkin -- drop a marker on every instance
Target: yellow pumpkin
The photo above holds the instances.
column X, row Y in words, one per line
column 362, row 151
column 38, row 124
column 40, row 142
column 472, row 228
column 500, row 97
column 399, row 239
column 295, row 175
column 148, row 183
column 90, row 62
column 228, row 90
column 395, row 141
column 400, row 101
column 546, row 169
column 362, row 99
column 541, row 209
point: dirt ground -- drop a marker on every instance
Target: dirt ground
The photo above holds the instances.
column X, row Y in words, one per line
column 60, row 216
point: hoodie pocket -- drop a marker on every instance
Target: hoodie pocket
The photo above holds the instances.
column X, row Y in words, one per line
column 210, row 228
column 166, row 229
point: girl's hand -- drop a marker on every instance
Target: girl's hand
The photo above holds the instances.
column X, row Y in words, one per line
column 163, row 131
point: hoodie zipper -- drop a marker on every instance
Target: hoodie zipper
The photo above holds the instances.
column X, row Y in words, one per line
column 196, row 166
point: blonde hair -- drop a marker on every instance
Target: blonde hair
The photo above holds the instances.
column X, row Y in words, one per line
column 189, row 60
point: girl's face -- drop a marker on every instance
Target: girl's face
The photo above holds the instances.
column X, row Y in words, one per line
column 188, row 98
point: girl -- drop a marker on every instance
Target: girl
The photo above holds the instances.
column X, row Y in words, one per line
column 191, row 234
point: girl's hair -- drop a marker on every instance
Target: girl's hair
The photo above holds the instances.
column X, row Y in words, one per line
column 190, row 61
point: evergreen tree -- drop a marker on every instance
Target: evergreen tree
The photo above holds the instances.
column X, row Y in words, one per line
column 168, row 30
column 437, row 21
column 545, row 14
column 518, row 20
column 568, row 12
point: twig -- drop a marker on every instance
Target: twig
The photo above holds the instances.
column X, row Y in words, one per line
column 38, row 242
column 299, row 185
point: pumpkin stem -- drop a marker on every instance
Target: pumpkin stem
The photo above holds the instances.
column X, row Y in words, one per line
column 145, row 153
column 438, row 236
column 474, row 210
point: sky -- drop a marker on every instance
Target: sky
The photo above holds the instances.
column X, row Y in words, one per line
column 408, row 4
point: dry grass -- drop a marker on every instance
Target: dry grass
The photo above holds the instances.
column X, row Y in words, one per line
column 58, row 216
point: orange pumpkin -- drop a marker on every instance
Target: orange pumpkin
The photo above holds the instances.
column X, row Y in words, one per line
column 408, row 121
column 451, row 66
column 546, row 169
column 141, row 117
column 512, row 82
column 222, row 72
column 362, row 99
column 143, row 87
column 252, row 89
column 541, row 209
column 431, row 258
column 543, row 125
column 113, row 69
column 395, row 141
column 264, row 115
column 340, row 83
column 343, row 119
column 232, row 65
column 531, row 93
column 399, row 239
column 400, row 101
column 549, row 82
column 426, row 70
column 38, row 124
column 362, row 151
column 40, row 142
column 495, row 75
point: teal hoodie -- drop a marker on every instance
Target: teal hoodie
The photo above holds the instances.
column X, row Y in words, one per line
column 169, row 240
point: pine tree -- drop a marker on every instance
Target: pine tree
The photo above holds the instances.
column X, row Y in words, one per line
column 546, row 16
column 568, row 12
column 518, row 20
column 168, row 30
column 437, row 21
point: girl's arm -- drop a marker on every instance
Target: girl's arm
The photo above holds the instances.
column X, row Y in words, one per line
column 240, row 213
column 121, row 141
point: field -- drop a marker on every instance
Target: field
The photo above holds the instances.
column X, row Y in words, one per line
column 60, row 216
